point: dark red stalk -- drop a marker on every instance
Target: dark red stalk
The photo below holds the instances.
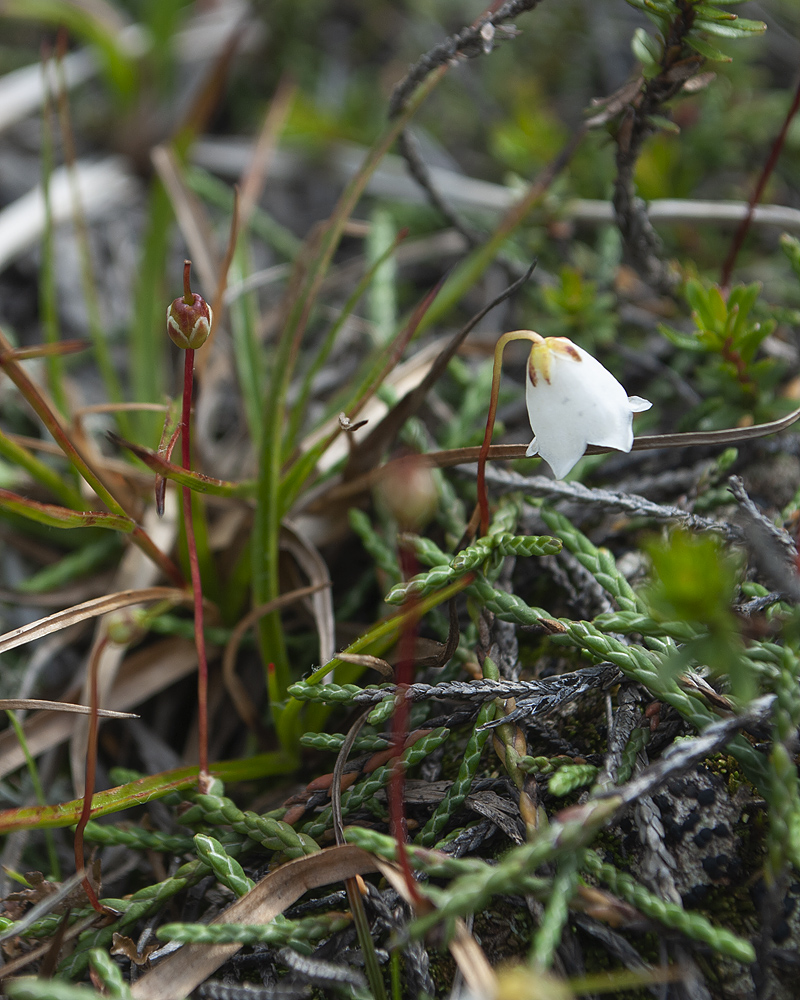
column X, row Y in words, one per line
column 404, row 675
column 766, row 173
column 89, row 774
column 203, row 778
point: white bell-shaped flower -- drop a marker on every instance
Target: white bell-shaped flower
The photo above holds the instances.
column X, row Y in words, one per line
column 574, row 401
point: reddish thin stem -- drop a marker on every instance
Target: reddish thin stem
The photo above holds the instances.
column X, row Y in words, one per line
column 203, row 778
column 766, row 173
column 188, row 298
column 404, row 675
column 89, row 774
column 483, row 493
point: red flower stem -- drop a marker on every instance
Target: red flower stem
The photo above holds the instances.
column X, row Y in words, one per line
column 203, row 778
column 483, row 493
column 91, row 769
column 766, row 173
column 404, row 675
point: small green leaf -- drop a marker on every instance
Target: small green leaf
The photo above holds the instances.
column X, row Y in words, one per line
column 791, row 247
column 646, row 49
column 741, row 28
column 712, row 13
column 707, row 50
column 665, row 124
column 685, row 341
column 718, row 306
column 697, row 297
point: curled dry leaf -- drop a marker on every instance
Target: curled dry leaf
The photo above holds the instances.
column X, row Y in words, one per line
column 185, row 970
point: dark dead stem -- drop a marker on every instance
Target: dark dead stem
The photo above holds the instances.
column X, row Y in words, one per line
column 755, row 198
column 642, row 245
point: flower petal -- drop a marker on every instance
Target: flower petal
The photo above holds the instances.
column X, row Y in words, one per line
column 573, row 401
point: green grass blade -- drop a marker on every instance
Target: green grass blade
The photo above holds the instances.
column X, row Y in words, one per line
column 36, row 468
column 141, row 791
column 62, row 517
column 269, row 507
column 249, row 360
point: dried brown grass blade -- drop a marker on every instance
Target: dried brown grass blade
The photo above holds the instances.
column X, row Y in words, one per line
column 41, row 704
column 89, row 609
column 191, row 215
column 253, row 178
column 183, row 971
column 314, row 566
column 507, row 452
column 50, row 350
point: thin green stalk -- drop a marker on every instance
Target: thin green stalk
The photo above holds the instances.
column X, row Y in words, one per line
column 259, row 222
column 248, row 357
column 556, row 912
column 143, row 790
column 470, row 270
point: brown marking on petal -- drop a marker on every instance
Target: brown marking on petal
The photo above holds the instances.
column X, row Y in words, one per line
column 565, row 346
column 532, row 370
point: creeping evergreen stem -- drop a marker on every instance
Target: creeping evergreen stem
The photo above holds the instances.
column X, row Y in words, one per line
column 483, row 495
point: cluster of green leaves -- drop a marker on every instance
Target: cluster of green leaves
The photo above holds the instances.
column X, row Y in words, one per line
column 704, row 18
column 578, row 309
column 725, row 340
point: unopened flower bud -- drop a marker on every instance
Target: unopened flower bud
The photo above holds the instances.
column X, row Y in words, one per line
column 408, row 490
column 188, row 317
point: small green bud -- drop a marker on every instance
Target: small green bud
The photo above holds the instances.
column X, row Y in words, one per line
column 188, row 317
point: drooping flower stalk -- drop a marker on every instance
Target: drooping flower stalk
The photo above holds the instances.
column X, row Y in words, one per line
column 188, row 324
column 500, row 346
